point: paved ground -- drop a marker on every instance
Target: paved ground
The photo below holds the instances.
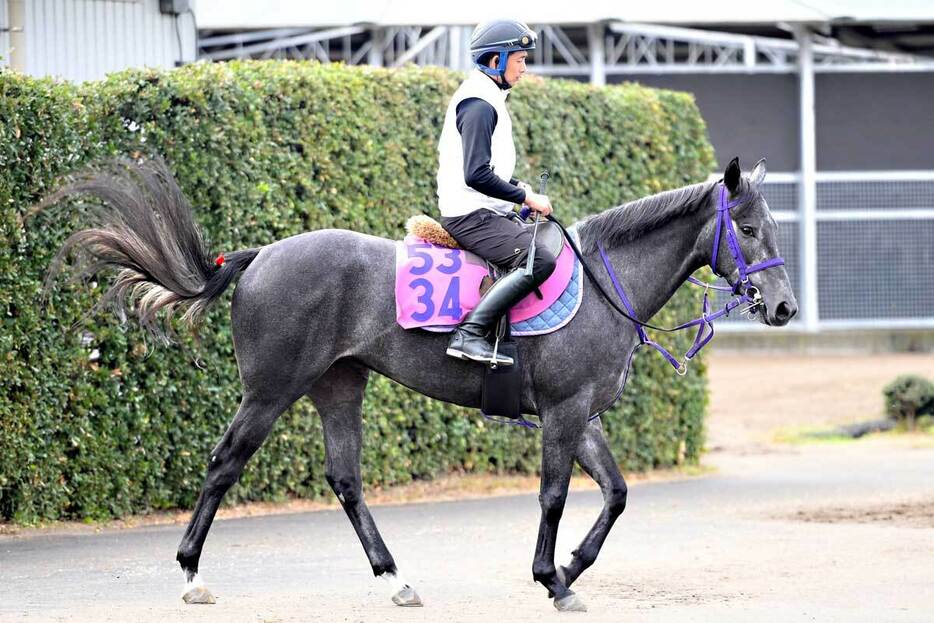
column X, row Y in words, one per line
column 829, row 532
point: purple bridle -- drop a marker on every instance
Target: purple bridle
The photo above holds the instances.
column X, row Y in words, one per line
column 741, row 290
column 704, row 324
column 724, row 221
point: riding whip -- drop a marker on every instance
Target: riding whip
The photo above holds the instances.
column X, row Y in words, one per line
column 531, row 258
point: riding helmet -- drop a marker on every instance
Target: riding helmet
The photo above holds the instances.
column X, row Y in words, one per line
column 500, row 37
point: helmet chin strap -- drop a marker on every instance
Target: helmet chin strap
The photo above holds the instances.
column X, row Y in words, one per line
column 499, row 71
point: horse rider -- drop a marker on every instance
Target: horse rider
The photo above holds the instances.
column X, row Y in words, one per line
column 476, row 189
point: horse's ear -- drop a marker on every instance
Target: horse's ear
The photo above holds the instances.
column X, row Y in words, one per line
column 758, row 174
column 731, row 175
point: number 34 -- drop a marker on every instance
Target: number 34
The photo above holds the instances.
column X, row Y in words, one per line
column 450, row 303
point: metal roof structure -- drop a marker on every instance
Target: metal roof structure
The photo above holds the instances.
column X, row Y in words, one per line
column 301, row 29
column 224, row 14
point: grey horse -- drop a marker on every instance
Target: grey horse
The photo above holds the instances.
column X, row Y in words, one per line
column 314, row 314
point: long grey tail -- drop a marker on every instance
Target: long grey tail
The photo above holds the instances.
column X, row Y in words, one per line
column 144, row 227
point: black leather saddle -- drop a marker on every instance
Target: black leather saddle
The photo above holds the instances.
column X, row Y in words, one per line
column 549, row 236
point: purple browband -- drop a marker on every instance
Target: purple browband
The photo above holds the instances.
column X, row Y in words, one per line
column 705, row 322
column 723, row 216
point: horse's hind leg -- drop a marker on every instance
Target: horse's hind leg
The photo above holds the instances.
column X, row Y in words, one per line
column 593, row 454
column 245, row 434
column 338, row 396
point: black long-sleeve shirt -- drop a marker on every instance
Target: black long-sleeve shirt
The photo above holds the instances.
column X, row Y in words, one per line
column 476, row 120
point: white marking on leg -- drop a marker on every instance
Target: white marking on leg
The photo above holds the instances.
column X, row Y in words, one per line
column 396, row 582
column 194, row 582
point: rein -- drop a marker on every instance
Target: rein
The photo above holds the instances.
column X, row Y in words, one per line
column 744, row 292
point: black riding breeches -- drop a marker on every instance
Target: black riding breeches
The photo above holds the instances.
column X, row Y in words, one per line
column 501, row 240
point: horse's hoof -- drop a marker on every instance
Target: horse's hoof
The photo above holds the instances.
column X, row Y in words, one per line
column 195, row 592
column 570, row 603
column 199, row 595
column 407, row 597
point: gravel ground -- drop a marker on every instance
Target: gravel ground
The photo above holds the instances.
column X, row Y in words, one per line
column 815, row 532
column 754, row 396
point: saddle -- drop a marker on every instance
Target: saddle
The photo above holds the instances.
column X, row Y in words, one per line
column 547, row 309
column 437, row 282
column 421, row 226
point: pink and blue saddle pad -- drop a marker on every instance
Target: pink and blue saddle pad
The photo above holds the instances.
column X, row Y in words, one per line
column 437, row 286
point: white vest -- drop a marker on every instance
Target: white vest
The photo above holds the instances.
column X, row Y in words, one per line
column 455, row 198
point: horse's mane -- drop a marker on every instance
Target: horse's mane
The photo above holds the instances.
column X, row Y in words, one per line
column 631, row 220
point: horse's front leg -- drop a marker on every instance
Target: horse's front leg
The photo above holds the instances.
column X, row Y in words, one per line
column 561, row 435
column 593, row 454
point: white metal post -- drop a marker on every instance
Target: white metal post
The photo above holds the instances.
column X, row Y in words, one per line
column 459, row 48
column 377, row 42
column 454, row 47
column 807, row 193
column 595, row 33
column 16, row 23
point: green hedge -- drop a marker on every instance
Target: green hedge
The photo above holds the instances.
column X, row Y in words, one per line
column 265, row 150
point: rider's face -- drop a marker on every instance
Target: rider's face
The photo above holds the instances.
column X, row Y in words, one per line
column 515, row 66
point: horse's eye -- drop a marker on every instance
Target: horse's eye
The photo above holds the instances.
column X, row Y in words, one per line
column 747, row 230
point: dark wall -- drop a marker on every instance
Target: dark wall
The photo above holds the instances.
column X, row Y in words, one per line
column 875, row 121
column 865, row 121
column 750, row 116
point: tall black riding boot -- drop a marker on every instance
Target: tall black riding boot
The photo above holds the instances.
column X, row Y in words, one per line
column 469, row 339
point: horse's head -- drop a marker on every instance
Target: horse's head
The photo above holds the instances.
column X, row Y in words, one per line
column 742, row 240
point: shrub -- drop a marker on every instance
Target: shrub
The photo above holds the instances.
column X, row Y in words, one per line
column 94, row 425
column 909, row 397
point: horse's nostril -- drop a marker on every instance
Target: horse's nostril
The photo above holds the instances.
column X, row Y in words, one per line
column 785, row 312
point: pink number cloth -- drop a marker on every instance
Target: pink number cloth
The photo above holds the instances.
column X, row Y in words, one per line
column 437, row 286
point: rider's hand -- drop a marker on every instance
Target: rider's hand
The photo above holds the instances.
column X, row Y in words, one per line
column 539, row 203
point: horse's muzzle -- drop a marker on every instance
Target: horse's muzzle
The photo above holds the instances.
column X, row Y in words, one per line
column 781, row 314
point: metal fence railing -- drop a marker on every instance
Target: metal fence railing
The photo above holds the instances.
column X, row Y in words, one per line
column 875, row 248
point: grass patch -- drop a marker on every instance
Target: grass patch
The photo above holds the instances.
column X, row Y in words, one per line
column 811, row 434
column 922, row 433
